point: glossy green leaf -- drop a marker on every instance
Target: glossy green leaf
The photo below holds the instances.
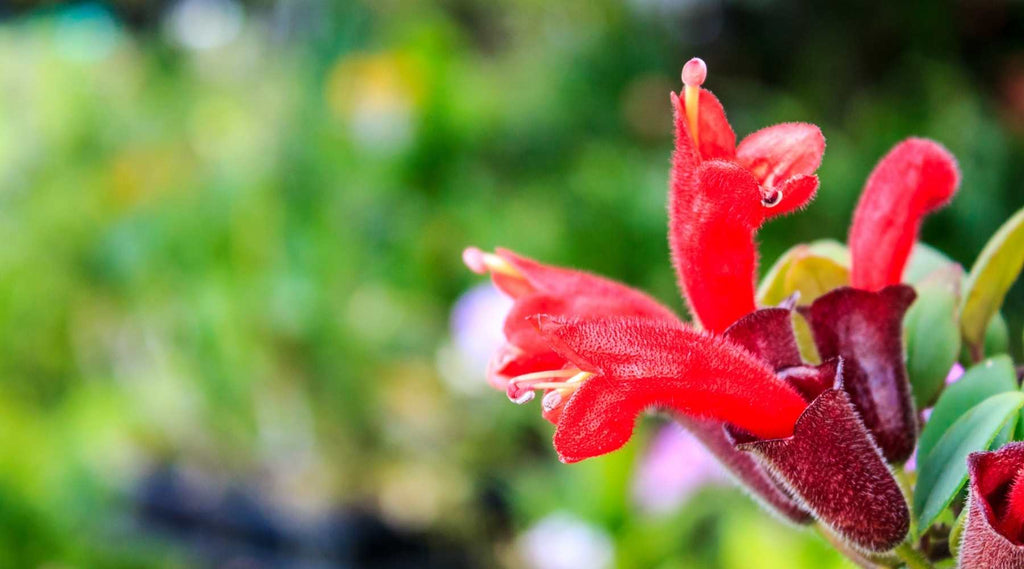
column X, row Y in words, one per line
column 773, row 288
column 997, row 336
column 991, row 276
column 813, row 275
column 924, row 260
column 997, row 340
column 944, row 470
column 988, row 378
column 932, row 332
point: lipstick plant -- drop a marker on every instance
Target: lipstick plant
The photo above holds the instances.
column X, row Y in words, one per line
column 811, row 387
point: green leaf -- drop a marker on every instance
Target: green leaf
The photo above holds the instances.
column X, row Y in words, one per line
column 813, row 275
column 773, row 288
column 991, row 276
column 988, row 378
column 997, row 340
column 924, row 260
column 932, row 333
column 944, row 470
column 997, row 336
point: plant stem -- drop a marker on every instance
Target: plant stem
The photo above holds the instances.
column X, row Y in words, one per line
column 851, row 554
column 913, row 558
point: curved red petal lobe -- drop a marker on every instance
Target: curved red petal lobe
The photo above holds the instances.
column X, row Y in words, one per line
column 717, row 139
column 768, row 334
column 746, row 469
column 984, row 543
column 797, row 192
column 642, row 363
column 832, row 466
column 586, row 291
column 913, row 179
column 544, row 289
column 866, row 330
column 712, row 222
column 780, row 152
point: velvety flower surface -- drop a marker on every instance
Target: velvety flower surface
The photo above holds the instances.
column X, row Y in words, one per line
column 543, row 289
column 526, row 362
column 865, row 329
column 636, row 364
column 720, row 194
column 833, row 467
column 993, row 537
column 916, row 177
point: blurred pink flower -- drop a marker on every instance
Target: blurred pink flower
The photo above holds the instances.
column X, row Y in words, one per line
column 675, row 466
column 955, row 373
column 476, row 323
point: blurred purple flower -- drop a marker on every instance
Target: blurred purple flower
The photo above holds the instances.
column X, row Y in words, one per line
column 476, row 323
column 675, row 466
column 562, row 541
column 955, row 373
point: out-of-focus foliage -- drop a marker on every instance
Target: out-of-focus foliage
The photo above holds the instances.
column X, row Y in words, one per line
column 231, row 234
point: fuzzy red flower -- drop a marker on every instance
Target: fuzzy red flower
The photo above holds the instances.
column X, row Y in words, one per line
column 720, row 194
column 526, row 362
column 994, row 533
column 916, row 177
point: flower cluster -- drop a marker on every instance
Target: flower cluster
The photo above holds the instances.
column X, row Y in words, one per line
column 808, row 402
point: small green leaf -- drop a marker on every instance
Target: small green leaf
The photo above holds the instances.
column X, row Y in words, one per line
column 997, row 340
column 991, row 276
column 988, row 378
column 773, row 290
column 932, row 333
column 924, row 260
column 813, row 275
column 944, row 469
column 997, row 336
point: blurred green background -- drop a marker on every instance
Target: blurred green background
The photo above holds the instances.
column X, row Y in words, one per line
column 230, row 238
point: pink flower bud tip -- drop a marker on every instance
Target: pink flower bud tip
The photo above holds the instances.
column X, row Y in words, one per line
column 694, row 72
column 473, row 257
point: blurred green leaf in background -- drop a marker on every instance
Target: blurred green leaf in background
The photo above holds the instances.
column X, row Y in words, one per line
column 230, row 237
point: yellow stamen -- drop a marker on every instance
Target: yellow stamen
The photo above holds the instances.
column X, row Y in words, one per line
column 563, row 385
column 694, row 73
column 498, row 265
column 692, row 98
column 551, row 374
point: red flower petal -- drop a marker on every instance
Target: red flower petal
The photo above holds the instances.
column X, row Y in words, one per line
column 777, row 153
column 832, row 466
column 984, row 543
column 866, row 330
column 914, row 178
column 712, row 219
column 717, row 139
column 585, row 294
column 768, row 334
column 797, row 192
column 644, row 363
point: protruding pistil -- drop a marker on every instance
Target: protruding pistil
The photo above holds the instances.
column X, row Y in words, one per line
column 694, row 73
column 481, row 263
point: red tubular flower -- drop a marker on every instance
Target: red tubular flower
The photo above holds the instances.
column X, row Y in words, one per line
column 720, row 194
column 832, row 466
column 635, row 364
column 866, row 330
column 526, row 362
column 916, row 177
column 993, row 537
